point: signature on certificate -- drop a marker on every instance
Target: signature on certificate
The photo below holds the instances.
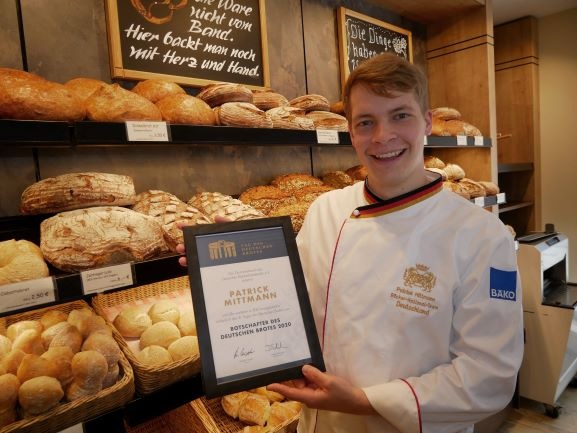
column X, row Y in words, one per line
column 243, row 352
column 275, row 347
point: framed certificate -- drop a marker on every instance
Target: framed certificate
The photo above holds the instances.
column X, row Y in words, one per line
column 253, row 316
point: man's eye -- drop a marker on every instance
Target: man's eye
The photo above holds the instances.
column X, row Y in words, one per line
column 401, row 115
column 363, row 123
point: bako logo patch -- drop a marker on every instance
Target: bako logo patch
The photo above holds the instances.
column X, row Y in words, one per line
column 503, row 284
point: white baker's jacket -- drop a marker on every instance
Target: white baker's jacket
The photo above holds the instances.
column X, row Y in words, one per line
column 408, row 308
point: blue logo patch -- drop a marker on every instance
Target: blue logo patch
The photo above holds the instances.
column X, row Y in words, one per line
column 503, row 284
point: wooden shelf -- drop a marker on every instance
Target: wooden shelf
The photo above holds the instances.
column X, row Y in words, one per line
column 515, row 167
column 429, row 11
column 514, row 206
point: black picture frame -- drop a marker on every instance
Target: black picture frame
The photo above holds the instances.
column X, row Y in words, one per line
column 263, row 244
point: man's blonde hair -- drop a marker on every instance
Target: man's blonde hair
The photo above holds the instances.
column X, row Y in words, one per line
column 386, row 73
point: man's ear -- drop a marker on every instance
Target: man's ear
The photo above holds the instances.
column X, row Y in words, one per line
column 428, row 122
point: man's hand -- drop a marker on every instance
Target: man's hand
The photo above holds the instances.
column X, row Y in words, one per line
column 180, row 249
column 319, row 390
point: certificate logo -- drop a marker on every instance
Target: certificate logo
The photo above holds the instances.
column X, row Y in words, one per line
column 420, row 276
column 221, row 250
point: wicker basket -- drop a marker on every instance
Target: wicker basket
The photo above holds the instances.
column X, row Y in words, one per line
column 183, row 419
column 67, row 414
column 215, row 420
column 147, row 378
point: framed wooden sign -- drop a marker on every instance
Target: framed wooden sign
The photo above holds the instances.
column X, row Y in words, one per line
column 194, row 42
column 362, row 37
column 253, row 315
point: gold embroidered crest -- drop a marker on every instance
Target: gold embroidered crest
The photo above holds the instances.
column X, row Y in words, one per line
column 419, row 276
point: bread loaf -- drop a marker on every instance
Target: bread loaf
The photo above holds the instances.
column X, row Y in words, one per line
column 337, row 179
column 265, row 197
column 267, row 100
column 357, row 173
column 286, row 117
column 243, row 114
column 214, row 204
column 17, row 328
column 11, row 361
column 295, row 181
column 328, row 120
column 112, row 103
column 433, row 162
column 220, row 93
column 27, row 96
column 21, row 260
column 281, row 412
column 156, row 89
column 454, row 171
column 491, row 188
column 231, row 403
column 254, row 409
column 186, row 109
column 474, row 189
column 446, row 113
column 311, row 102
column 89, row 368
column 77, row 190
column 296, row 211
column 338, row 107
column 99, row 236
column 84, row 87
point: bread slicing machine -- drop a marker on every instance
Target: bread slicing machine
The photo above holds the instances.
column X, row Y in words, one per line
column 550, row 319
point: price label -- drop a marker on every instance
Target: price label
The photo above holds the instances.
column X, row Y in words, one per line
column 146, row 131
column 478, row 140
column 327, row 136
column 479, row 201
column 501, row 198
column 110, row 277
column 425, row 142
column 26, row 294
column 461, row 140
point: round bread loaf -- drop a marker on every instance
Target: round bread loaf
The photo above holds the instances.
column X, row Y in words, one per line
column 446, row 113
column 454, row 171
column 159, row 334
column 84, row 87
column 243, row 114
column 265, row 197
column 39, row 395
column 439, row 127
column 75, row 391
column 21, row 260
column 328, row 120
column 456, row 188
column 186, row 109
column 112, row 103
column 439, row 171
column 296, row 211
column 432, row 161
column 220, row 93
column 184, row 347
column 132, row 321
column 214, row 204
column 491, row 188
column 337, row 179
column 338, row 108
column 154, row 355
column 77, row 190
column 164, row 309
column 267, row 100
column 474, row 189
column 357, row 173
column 308, row 194
column 311, row 102
column 99, row 236
column 295, row 181
column 30, row 97
column 156, row 89
column 285, row 117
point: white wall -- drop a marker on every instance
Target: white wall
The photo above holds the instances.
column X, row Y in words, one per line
column 558, row 119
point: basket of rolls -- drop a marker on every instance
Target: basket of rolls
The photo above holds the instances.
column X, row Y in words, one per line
column 155, row 328
column 255, row 411
column 60, row 366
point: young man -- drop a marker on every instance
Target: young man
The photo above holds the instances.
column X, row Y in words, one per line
column 414, row 290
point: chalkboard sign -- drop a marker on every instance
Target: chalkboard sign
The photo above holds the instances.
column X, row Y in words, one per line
column 189, row 41
column 362, row 37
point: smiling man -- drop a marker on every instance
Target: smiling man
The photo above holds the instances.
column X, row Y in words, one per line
column 400, row 274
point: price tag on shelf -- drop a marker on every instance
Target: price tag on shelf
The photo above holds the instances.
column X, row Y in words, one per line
column 327, row 136
column 26, row 294
column 501, row 198
column 479, row 201
column 146, row 131
column 110, row 277
column 425, row 142
column 461, row 140
column 478, row 140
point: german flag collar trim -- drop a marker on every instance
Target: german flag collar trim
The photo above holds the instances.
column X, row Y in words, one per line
column 378, row 206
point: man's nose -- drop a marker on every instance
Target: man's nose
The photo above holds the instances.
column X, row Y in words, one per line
column 384, row 132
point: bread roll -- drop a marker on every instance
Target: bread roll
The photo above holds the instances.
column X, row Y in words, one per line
column 221, row 93
column 267, row 100
column 295, row 181
column 51, row 332
column 164, row 309
column 112, row 376
column 33, row 366
column 29, row 341
column 75, row 391
column 446, row 113
column 186, row 109
column 154, row 355
column 214, row 204
column 184, row 347
column 433, row 162
column 17, row 328
column 311, row 102
column 52, row 317
column 83, row 87
column 77, row 190
column 187, row 324
column 243, row 114
column 39, row 395
column 254, row 410
column 491, row 188
column 112, row 103
column 6, row 345
column 231, row 403
column 68, row 337
column 159, row 334
column 21, row 260
column 439, row 171
column 11, row 360
column 99, row 236
column 132, row 321
column 30, row 97
column 89, row 369
column 156, row 89
column 81, row 318
column 456, row 188
column 61, row 358
column 271, row 395
column 282, row 412
column 474, row 189
column 337, row 179
column 9, row 385
column 438, row 127
column 105, row 345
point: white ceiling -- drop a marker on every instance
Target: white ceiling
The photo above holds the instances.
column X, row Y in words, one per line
column 508, row 10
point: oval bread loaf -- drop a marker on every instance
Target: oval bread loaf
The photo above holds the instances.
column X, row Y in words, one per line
column 21, row 260
column 77, row 190
column 156, row 89
column 186, row 109
column 220, row 93
column 99, row 236
column 112, row 103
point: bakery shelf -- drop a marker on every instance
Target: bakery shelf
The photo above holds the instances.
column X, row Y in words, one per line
column 515, row 167
column 34, row 133
column 453, row 141
column 514, row 206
